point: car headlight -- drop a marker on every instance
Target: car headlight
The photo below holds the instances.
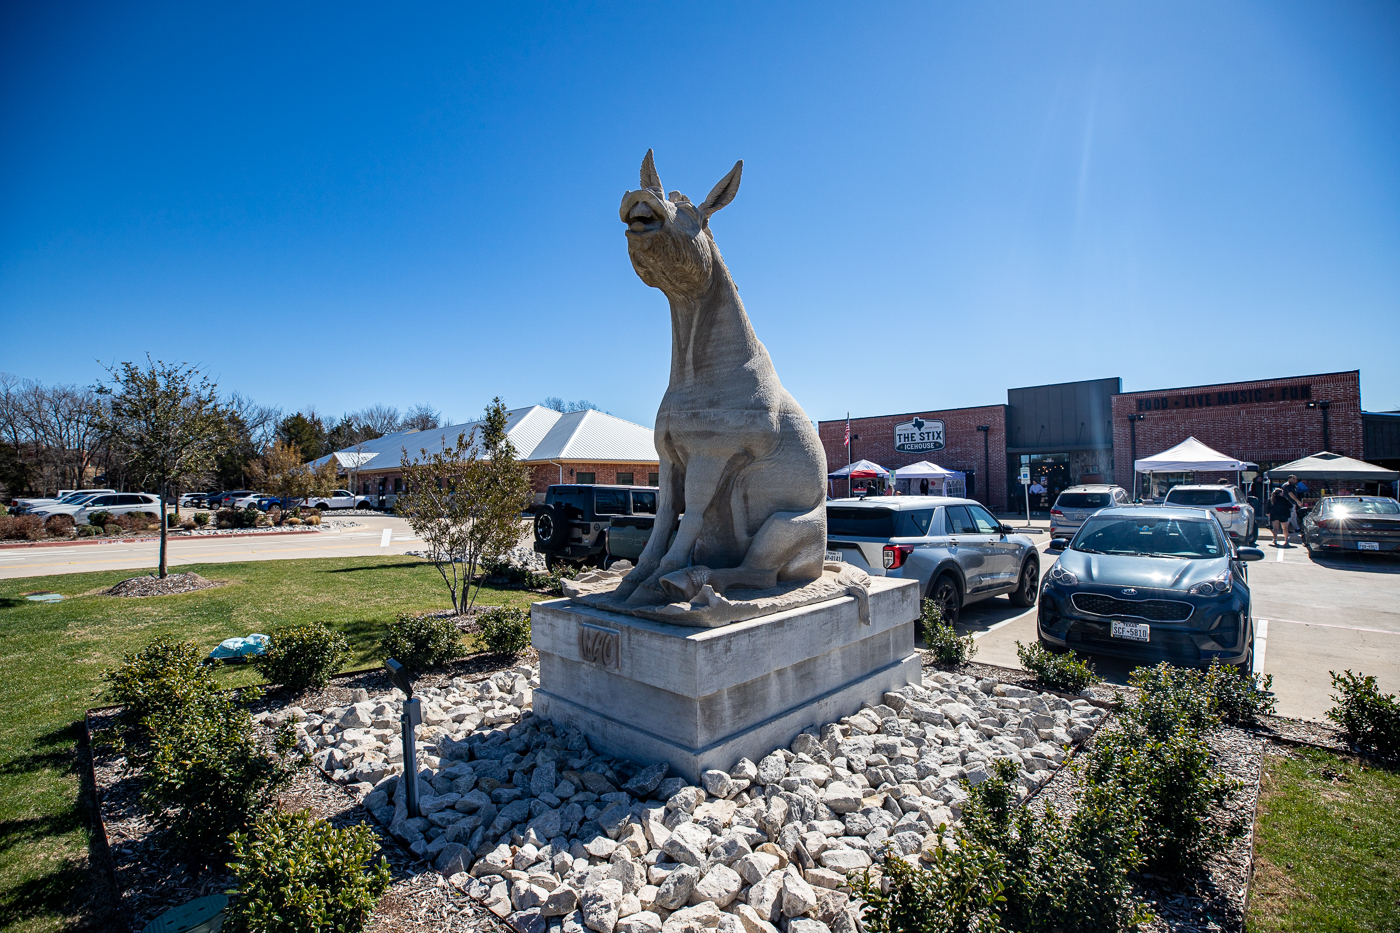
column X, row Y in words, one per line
column 1217, row 587
column 1060, row 575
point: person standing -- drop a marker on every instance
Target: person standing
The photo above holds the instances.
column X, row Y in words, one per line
column 923, row 486
column 1280, row 511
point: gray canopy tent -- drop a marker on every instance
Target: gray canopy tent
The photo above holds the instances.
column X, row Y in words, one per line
column 1324, row 466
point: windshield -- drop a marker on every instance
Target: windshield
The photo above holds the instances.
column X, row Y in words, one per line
column 1199, row 497
column 1084, row 500
column 1149, row 537
column 1363, row 507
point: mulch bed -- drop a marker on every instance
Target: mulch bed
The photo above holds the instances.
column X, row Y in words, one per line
column 156, row 586
column 151, row 882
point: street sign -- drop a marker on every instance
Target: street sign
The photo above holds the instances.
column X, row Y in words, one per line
column 1025, row 476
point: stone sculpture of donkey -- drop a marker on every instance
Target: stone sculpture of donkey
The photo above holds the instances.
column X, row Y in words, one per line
column 743, row 474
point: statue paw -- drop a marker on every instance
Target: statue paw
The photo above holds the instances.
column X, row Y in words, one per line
column 685, row 584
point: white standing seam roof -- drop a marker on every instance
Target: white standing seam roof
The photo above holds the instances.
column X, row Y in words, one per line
column 539, row 434
column 596, row 437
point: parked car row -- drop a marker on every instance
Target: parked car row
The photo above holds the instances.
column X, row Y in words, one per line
column 83, row 506
column 245, row 498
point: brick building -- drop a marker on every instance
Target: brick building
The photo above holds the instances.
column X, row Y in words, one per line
column 962, row 445
column 577, row 447
column 1267, row 421
column 1092, row 431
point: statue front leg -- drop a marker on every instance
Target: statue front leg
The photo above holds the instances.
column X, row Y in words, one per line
column 670, row 502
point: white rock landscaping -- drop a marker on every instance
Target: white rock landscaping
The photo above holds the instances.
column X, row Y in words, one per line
column 555, row 837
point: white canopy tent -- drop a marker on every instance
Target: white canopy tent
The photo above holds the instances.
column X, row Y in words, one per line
column 941, row 481
column 1188, row 456
column 1327, row 465
column 861, row 469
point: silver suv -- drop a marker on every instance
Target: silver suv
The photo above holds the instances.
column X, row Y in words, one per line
column 955, row 548
column 1079, row 502
column 1234, row 512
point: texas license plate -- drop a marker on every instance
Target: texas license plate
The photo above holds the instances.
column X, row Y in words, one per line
column 835, row 555
column 1132, row 631
column 1368, row 545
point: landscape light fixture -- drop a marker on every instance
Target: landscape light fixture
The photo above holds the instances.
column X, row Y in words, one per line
column 411, row 718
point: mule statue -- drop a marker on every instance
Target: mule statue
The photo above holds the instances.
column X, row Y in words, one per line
column 743, row 474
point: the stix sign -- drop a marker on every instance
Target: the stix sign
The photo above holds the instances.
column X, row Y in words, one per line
column 914, row 436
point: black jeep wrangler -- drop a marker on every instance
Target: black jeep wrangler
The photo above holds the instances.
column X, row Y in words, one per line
column 573, row 525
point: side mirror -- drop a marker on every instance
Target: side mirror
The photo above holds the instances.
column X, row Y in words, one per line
column 1006, row 529
column 1250, row 553
column 1059, row 544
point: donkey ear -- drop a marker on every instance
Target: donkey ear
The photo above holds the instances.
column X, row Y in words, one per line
column 649, row 177
column 723, row 192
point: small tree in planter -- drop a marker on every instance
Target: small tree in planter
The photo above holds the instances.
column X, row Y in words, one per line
column 465, row 502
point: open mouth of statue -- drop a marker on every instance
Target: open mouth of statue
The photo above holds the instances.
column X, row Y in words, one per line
column 642, row 218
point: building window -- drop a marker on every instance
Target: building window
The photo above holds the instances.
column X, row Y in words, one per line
column 398, row 485
column 624, row 479
column 585, row 478
column 653, row 479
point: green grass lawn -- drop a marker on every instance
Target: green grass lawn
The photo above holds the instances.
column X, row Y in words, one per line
column 52, row 656
column 1327, row 847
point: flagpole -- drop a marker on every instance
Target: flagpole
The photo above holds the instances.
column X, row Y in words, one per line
column 848, row 455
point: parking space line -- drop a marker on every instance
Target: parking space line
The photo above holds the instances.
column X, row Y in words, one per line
column 1003, row 623
column 1261, row 645
column 1350, row 628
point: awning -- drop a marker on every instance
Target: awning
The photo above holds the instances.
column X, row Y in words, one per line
column 1191, row 455
column 861, row 469
column 1327, row 465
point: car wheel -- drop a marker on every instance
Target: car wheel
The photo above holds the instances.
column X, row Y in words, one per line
column 1253, row 535
column 1308, row 546
column 1026, row 587
column 551, row 531
column 1246, row 667
column 947, row 596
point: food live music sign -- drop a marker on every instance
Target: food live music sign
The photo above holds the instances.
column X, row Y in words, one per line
column 1221, row 399
column 918, row 435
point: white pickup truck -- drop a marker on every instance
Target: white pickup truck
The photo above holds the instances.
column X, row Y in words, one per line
column 340, row 499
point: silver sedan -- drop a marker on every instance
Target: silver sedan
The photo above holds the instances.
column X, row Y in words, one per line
column 957, row 550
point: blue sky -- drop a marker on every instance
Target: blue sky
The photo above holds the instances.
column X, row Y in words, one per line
column 342, row 204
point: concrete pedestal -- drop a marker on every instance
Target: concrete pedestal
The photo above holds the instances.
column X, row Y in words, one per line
column 704, row 698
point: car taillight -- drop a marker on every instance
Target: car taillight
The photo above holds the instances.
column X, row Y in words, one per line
column 1057, row 512
column 1227, row 508
column 895, row 555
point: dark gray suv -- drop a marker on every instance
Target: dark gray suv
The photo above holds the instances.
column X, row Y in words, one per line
column 957, row 550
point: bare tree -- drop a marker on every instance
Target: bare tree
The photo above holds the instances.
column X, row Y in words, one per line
column 169, row 417
column 424, row 417
column 558, row 404
column 382, row 419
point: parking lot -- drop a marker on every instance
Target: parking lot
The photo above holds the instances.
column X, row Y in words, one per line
column 1313, row 615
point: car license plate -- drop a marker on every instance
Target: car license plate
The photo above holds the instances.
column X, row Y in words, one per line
column 1368, row 545
column 1132, row 631
column 835, row 556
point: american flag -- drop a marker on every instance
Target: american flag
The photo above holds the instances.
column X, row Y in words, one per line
column 847, row 442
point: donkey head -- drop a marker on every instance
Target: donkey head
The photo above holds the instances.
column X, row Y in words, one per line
column 668, row 237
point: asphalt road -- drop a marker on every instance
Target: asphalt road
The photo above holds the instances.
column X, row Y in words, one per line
column 366, row 539
column 1313, row 616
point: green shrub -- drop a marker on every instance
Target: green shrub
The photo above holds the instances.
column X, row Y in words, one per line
column 1174, row 787
column 303, row 657
column 553, row 582
column 505, row 629
column 942, row 638
column 1167, row 699
column 209, row 776
column 1369, row 718
column 201, row 518
column 88, row 531
column 1239, row 699
column 1058, row 671
column 165, row 677
column 59, row 526
column 421, row 642
column 956, row 893
column 111, row 528
column 1057, row 876
column 101, row 519
column 297, row 874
